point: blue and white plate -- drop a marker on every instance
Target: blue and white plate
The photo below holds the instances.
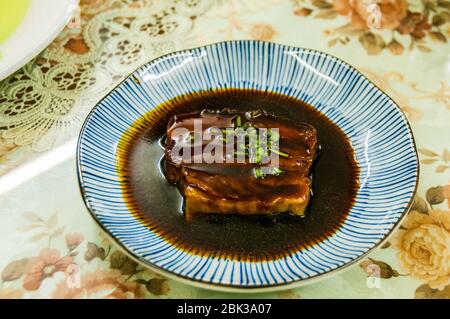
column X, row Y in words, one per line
column 377, row 128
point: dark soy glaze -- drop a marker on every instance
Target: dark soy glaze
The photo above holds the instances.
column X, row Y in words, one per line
column 158, row 203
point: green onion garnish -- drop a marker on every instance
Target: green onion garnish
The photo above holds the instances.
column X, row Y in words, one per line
column 247, row 146
column 280, row 153
column 274, row 136
column 258, row 172
column 277, row 170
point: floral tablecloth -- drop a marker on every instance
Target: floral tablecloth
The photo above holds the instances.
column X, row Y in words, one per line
column 49, row 245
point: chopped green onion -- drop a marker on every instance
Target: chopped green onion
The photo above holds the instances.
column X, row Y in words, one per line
column 277, row 170
column 274, row 136
column 280, row 153
column 259, row 152
column 258, row 172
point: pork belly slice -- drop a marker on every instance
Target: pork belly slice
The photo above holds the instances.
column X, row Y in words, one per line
column 234, row 188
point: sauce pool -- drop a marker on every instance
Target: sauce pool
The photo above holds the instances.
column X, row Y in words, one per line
column 158, row 204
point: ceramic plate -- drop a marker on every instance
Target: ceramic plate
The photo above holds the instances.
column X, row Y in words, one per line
column 377, row 129
column 35, row 24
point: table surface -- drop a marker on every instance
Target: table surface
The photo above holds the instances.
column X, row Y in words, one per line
column 50, row 247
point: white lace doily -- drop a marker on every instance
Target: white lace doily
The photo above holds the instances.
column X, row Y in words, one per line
column 45, row 103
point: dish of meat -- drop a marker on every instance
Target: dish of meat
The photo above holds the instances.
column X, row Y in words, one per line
column 305, row 191
column 221, row 208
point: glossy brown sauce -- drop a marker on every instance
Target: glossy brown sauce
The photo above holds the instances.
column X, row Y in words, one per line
column 158, row 203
